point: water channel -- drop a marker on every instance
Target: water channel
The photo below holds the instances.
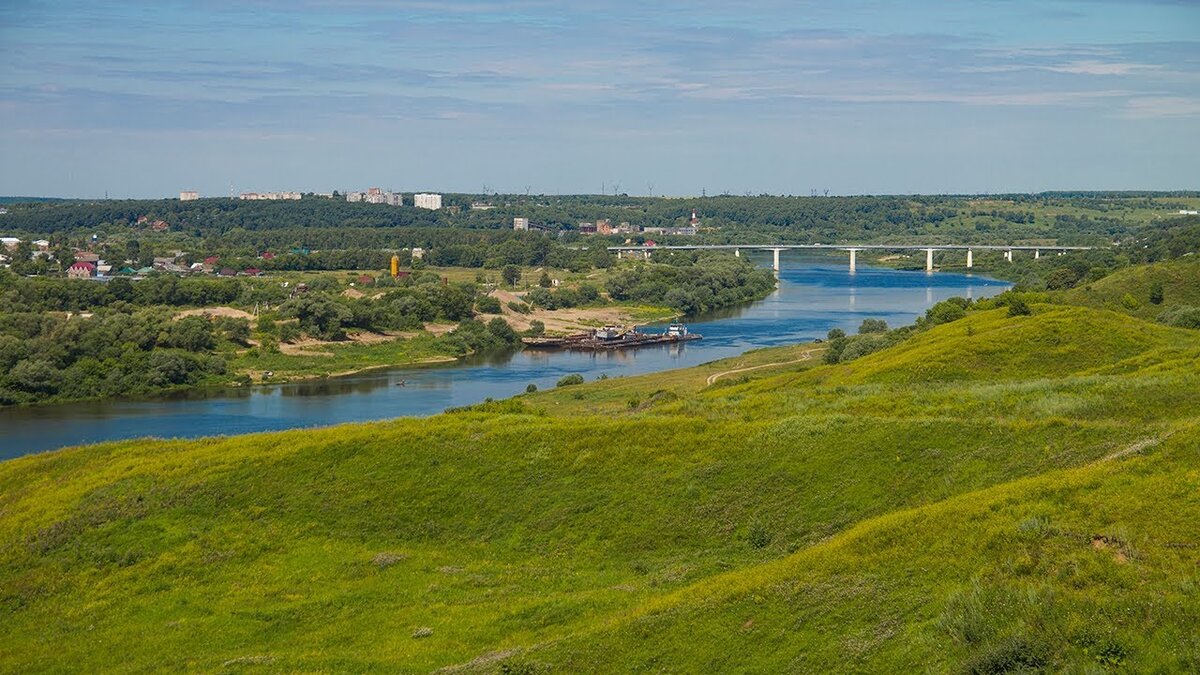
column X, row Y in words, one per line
column 814, row 295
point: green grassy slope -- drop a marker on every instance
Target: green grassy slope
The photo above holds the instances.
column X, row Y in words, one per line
column 1180, row 280
column 1074, row 570
column 550, row 529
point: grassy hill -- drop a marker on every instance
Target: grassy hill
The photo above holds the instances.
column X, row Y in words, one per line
column 997, row 492
column 1180, row 280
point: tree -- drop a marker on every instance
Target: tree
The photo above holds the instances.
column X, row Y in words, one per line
column 545, row 281
column 511, row 274
column 504, row 332
column 1061, row 278
column 193, row 333
column 835, row 333
column 1018, row 307
column 872, row 326
column 536, row 328
column 1156, row 293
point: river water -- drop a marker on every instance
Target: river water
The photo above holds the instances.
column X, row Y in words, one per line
column 813, row 296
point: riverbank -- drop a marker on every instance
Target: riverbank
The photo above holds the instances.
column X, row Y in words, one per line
column 363, row 351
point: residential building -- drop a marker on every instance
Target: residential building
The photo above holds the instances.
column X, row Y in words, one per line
column 604, row 226
column 9, row 243
column 1188, row 212
column 520, row 223
column 258, row 196
column 376, row 196
column 482, row 206
column 189, row 196
column 418, row 253
column 86, row 256
column 81, row 270
column 42, row 245
column 426, row 200
column 587, row 228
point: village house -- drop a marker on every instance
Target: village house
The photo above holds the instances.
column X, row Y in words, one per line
column 81, row 270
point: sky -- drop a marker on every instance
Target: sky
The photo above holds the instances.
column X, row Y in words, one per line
column 144, row 99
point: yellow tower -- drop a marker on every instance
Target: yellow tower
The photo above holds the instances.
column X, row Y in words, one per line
column 395, row 266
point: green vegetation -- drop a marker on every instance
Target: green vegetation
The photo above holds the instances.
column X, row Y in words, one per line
column 68, row 339
column 990, row 493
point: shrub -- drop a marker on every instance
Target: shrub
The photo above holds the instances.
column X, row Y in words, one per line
column 835, row 333
column 1012, row 654
column 759, row 536
column 1018, row 307
column 487, row 305
column 872, row 326
column 536, row 328
column 568, row 380
column 1156, row 293
column 1183, row 316
column 519, row 307
column 530, row 388
column 1130, row 302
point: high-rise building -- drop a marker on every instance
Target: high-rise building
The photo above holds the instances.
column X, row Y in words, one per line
column 189, row 196
column 427, row 200
column 520, row 223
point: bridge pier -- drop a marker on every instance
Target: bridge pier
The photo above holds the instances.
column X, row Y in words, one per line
column 1037, row 253
column 737, row 252
column 928, row 260
column 1008, row 255
column 776, row 251
column 970, row 259
column 853, row 254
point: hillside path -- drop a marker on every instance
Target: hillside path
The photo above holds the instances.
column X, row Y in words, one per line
column 804, row 356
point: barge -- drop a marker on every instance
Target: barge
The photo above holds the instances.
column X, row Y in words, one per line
column 612, row 337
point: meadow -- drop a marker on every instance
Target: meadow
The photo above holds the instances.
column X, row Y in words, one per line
column 994, row 494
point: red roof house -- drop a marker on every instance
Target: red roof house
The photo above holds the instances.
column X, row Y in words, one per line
column 81, row 270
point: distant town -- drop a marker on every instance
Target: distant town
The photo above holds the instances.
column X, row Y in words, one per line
column 85, row 263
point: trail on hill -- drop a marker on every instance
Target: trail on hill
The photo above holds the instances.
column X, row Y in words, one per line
column 804, row 356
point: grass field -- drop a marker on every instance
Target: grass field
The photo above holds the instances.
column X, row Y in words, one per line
column 995, row 494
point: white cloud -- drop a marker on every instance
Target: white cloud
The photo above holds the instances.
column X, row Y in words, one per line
column 1154, row 107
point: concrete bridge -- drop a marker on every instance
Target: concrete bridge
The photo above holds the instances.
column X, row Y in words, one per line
column 853, row 249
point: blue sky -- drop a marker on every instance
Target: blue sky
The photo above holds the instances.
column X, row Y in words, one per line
column 144, row 99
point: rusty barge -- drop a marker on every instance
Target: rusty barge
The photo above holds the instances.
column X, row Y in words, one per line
column 612, row 337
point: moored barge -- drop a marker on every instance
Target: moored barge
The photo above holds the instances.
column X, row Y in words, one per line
column 612, row 337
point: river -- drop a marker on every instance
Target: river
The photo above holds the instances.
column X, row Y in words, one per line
column 814, row 295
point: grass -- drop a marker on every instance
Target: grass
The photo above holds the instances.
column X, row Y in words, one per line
column 1177, row 277
column 326, row 359
column 996, row 493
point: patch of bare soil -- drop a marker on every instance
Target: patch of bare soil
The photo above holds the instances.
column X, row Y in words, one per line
column 215, row 311
column 559, row 320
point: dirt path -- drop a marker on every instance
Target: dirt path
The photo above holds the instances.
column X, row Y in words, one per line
column 804, row 356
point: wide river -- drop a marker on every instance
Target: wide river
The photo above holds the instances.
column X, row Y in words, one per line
column 813, row 296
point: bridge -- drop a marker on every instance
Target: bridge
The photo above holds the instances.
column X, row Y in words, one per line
column 853, row 249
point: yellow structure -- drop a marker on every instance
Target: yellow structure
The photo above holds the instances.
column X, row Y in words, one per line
column 395, row 266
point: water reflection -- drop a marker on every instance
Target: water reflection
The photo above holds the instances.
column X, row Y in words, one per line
column 813, row 297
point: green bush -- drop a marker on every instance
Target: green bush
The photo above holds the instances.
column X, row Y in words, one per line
column 569, row 380
column 1184, row 316
column 486, row 304
column 1018, row 307
column 872, row 326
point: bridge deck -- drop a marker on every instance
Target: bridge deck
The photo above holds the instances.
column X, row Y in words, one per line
column 848, row 247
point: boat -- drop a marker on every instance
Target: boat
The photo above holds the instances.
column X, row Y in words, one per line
column 612, row 337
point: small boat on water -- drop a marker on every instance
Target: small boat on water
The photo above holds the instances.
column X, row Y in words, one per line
column 612, row 337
